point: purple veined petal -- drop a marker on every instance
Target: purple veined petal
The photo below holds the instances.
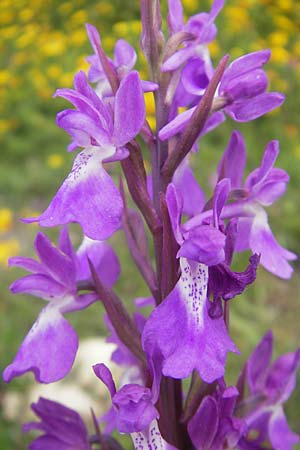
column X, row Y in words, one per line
column 255, row 107
column 242, row 238
column 124, row 54
column 268, row 160
column 79, row 302
column 59, row 265
column 175, row 206
column 90, row 107
column 217, row 6
column 176, row 125
column 204, row 244
column 175, row 16
column 83, row 129
column 178, row 58
column 223, row 283
column 135, row 408
column 29, row 264
column 104, row 374
column 259, row 362
column 87, row 196
column 181, row 331
column 208, row 416
column 233, row 161
column 48, row 350
column 281, row 379
column 280, row 434
column 186, row 184
column 62, row 426
column 270, row 189
column 150, row 439
column 149, row 86
column 273, row 257
column 65, row 244
column 39, row 285
column 82, row 86
column 244, row 64
column 245, row 86
column 93, row 36
column 129, row 111
column 104, row 260
column 219, row 199
column 194, row 77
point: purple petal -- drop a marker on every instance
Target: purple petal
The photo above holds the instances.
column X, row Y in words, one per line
column 281, row 379
column 224, row 283
column 129, row 110
column 181, row 330
column 280, row 434
column 245, row 64
column 194, row 77
column 104, row 374
column 268, row 160
column 219, row 199
column 273, row 257
column 104, row 261
column 82, row 128
column 204, row 244
column 192, row 194
column 255, row 107
column 259, row 362
column 178, row 58
column 176, row 125
column 87, row 196
column 59, row 266
column 27, row 263
column 175, row 16
column 39, row 285
column 206, row 415
column 48, row 350
column 233, row 161
column 65, row 244
column 175, row 205
column 135, row 410
column 124, row 54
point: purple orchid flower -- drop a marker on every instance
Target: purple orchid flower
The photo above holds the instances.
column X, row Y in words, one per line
column 123, row 62
column 241, row 93
column 200, row 26
column 214, row 427
column 180, row 331
column 270, row 385
column 261, row 188
column 50, row 347
column 63, row 428
column 133, row 412
column 88, row 195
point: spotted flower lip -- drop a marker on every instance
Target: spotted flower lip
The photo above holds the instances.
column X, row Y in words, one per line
column 51, row 344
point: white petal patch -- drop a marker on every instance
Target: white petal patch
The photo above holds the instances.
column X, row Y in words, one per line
column 150, row 439
column 88, row 161
column 193, row 287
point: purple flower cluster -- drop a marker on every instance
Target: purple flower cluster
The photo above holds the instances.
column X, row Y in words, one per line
column 189, row 289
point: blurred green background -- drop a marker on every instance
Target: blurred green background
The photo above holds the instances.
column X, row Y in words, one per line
column 43, row 43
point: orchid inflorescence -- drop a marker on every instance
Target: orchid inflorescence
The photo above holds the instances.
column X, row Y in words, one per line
column 189, row 281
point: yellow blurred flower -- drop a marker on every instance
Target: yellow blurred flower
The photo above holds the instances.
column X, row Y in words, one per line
column 26, row 14
column 278, row 38
column 108, row 43
column 104, row 8
column 189, row 5
column 78, row 37
column 238, row 17
column 54, row 71
column 214, row 49
column 150, row 103
column 121, row 29
column 6, row 219
column 55, row 160
column 79, row 17
column 279, row 55
column 8, row 248
column 4, row 77
column 6, row 17
column 53, row 47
